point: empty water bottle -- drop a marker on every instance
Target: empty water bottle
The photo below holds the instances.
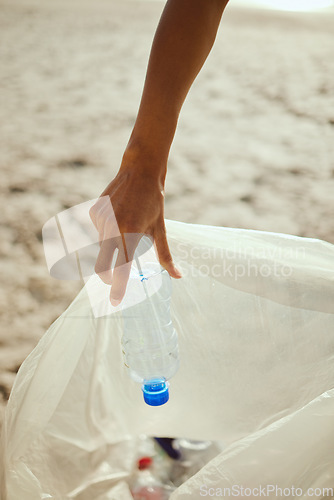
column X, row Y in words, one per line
column 145, row 484
column 149, row 341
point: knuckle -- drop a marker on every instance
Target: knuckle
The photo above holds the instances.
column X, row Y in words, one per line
column 129, row 226
column 165, row 256
column 92, row 214
column 97, row 268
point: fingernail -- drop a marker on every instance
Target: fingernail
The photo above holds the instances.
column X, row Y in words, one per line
column 115, row 302
column 177, row 272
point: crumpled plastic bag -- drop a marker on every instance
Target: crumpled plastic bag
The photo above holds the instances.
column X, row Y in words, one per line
column 255, row 318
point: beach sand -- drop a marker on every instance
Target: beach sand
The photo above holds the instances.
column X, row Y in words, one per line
column 254, row 146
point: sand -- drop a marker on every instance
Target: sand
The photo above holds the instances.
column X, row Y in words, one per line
column 254, row 146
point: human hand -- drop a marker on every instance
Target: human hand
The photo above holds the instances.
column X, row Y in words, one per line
column 131, row 206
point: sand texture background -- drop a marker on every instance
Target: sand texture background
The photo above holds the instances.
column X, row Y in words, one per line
column 254, row 146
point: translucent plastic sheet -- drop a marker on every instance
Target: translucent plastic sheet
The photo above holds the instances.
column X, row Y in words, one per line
column 254, row 314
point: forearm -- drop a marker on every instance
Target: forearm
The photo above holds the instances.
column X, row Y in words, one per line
column 182, row 42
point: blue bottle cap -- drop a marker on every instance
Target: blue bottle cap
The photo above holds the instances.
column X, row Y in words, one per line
column 156, row 391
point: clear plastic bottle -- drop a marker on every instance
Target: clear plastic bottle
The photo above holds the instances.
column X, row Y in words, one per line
column 145, row 485
column 149, row 340
column 194, row 455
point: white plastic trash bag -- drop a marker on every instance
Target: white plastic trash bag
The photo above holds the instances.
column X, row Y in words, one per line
column 254, row 315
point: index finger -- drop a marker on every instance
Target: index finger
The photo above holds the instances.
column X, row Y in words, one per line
column 122, row 267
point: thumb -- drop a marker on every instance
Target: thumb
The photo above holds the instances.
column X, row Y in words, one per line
column 164, row 255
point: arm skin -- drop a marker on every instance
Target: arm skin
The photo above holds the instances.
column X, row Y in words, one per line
column 183, row 40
